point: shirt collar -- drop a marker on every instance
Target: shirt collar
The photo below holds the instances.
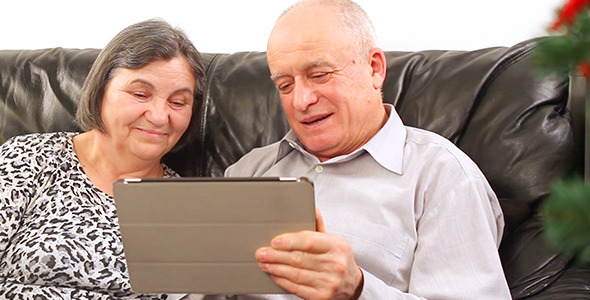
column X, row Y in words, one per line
column 289, row 143
column 386, row 147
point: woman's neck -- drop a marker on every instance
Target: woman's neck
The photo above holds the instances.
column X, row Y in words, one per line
column 104, row 165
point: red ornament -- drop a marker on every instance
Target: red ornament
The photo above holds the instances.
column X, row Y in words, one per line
column 584, row 69
column 568, row 13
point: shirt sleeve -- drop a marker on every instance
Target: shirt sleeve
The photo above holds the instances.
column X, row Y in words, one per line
column 16, row 177
column 374, row 288
column 10, row 290
column 456, row 256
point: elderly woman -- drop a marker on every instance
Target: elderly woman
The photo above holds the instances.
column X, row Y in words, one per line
column 59, row 235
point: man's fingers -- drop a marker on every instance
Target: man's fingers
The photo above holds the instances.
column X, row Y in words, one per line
column 306, row 241
column 307, row 284
column 297, row 276
column 297, row 259
column 302, row 291
column 319, row 221
column 303, row 260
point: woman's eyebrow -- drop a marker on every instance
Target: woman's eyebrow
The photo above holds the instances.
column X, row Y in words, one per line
column 149, row 84
column 141, row 81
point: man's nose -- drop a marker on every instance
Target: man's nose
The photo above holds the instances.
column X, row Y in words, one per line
column 304, row 96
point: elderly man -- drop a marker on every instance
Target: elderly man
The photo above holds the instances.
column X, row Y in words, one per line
column 407, row 214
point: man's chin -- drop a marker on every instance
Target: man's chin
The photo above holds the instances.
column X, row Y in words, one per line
column 318, row 147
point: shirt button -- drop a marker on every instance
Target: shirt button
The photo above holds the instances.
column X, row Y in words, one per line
column 319, row 169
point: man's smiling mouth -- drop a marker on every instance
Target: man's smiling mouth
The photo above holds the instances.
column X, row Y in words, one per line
column 316, row 120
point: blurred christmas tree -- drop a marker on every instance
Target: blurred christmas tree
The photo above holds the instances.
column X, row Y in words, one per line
column 568, row 48
column 566, row 211
column 566, row 215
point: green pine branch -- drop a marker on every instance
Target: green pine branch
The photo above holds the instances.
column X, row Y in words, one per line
column 563, row 53
column 567, row 218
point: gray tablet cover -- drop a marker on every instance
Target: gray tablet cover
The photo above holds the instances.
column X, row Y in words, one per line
column 199, row 235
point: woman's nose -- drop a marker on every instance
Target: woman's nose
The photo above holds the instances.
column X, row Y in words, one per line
column 157, row 112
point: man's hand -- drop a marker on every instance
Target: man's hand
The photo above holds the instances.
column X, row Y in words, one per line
column 312, row 265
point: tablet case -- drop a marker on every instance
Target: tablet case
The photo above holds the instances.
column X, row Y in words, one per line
column 199, row 235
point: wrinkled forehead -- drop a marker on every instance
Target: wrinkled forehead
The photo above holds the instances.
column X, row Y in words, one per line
column 305, row 27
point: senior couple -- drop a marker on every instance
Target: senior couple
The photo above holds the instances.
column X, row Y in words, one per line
column 402, row 213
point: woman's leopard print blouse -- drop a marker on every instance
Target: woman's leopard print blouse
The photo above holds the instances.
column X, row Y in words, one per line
column 59, row 235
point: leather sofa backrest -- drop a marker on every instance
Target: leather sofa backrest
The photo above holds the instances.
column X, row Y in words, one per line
column 490, row 102
column 523, row 130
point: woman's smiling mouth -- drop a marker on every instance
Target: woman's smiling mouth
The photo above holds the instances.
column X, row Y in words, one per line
column 152, row 133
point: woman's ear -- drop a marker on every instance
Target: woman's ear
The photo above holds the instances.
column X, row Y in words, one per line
column 378, row 67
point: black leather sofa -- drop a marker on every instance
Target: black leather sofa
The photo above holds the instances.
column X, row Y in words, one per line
column 523, row 130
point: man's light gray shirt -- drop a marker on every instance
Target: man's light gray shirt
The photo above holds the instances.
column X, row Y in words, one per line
column 419, row 214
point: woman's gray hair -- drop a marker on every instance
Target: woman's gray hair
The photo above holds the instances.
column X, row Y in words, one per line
column 132, row 48
column 358, row 26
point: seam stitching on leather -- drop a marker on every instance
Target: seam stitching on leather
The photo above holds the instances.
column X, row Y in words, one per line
column 205, row 110
column 498, row 69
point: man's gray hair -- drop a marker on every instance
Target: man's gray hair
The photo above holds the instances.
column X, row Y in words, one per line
column 359, row 28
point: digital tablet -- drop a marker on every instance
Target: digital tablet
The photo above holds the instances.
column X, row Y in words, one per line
column 199, row 235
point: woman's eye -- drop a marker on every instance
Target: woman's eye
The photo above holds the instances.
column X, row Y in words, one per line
column 139, row 95
column 177, row 103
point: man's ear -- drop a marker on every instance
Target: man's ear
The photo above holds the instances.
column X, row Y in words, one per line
column 378, row 67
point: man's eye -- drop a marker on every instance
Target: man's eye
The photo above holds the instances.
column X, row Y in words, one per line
column 285, row 87
column 321, row 76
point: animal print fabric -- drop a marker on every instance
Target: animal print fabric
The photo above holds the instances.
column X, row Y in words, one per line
column 59, row 234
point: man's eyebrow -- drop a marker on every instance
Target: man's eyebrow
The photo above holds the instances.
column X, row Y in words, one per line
column 274, row 77
column 311, row 65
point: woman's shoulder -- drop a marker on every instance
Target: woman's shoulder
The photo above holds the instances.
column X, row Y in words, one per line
column 35, row 145
column 47, row 139
column 169, row 172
